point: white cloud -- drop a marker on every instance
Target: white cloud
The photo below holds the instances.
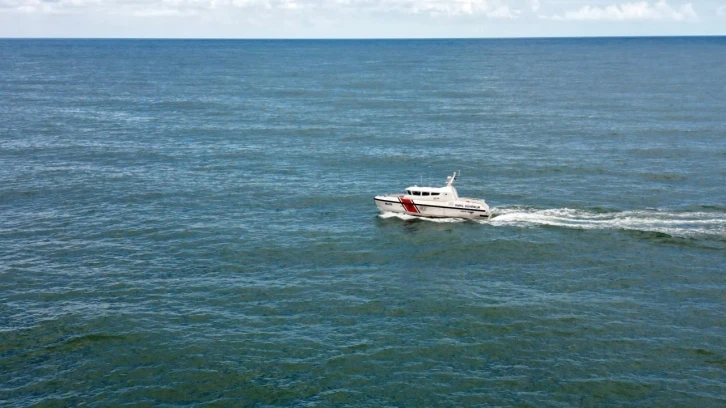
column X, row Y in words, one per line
column 158, row 8
column 504, row 12
column 489, row 8
column 495, row 9
column 721, row 10
column 534, row 5
column 638, row 11
column 46, row 6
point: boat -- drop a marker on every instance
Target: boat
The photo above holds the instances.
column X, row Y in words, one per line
column 434, row 202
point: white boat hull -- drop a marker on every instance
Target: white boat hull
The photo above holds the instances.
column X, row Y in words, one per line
column 462, row 208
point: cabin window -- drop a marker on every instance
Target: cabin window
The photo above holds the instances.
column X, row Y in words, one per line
column 418, row 193
column 434, row 193
column 408, row 192
column 425, row 193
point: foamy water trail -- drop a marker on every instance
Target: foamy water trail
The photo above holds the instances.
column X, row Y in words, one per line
column 674, row 223
column 407, row 217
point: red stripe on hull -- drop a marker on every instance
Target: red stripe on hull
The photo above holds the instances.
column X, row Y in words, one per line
column 408, row 205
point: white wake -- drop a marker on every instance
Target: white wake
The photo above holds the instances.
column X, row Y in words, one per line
column 407, row 217
column 673, row 223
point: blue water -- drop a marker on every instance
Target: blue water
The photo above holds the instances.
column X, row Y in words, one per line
column 192, row 223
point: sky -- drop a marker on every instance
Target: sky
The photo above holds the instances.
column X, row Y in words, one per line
column 359, row 18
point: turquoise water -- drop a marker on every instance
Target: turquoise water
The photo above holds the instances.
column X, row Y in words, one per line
column 192, row 223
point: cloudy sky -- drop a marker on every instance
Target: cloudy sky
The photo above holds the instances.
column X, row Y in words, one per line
column 359, row 18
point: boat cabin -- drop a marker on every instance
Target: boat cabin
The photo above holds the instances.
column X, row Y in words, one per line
column 432, row 193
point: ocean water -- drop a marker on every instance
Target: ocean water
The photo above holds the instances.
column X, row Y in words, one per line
column 192, row 223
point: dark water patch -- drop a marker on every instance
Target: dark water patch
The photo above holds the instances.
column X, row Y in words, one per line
column 718, row 362
column 716, row 208
column 665, row 177
column 654, row 236
column 704, row 242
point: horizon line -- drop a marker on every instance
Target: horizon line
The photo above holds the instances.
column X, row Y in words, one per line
column 366, row 38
